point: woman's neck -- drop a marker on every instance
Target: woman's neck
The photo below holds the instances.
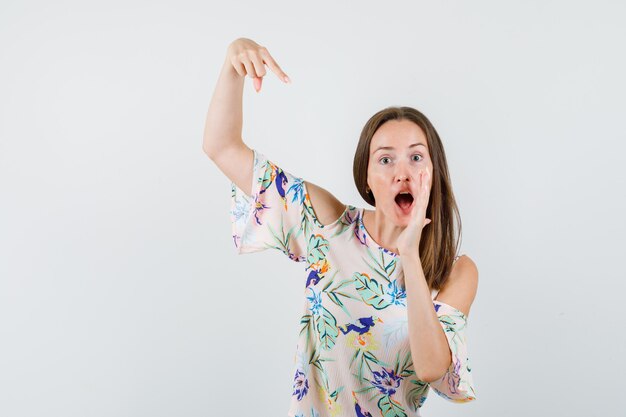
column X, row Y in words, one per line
column 381, row 230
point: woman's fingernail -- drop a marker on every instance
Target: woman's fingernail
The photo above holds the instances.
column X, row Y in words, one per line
column 287, row 80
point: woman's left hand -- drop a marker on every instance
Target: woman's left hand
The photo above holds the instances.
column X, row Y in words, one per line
column 409, row 240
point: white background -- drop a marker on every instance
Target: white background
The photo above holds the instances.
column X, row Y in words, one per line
column 120, row 290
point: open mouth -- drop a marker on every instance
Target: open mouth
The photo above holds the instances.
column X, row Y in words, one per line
column 404, row 200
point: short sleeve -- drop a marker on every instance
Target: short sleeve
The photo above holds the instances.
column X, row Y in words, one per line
column 278, row 213
column 457, row 384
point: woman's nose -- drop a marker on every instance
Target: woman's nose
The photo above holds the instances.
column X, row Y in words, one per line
column 402, row 173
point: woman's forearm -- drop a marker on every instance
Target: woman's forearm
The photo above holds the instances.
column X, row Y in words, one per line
column 429, row 346
column 224, row 120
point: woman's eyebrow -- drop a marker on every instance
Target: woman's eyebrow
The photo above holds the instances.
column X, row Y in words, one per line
column 382, row 148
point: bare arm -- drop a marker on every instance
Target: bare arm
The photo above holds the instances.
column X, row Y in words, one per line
column 224, row 120
column 222, row 140
column 429, row 347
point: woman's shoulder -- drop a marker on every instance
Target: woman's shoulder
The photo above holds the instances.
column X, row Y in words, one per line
column 464, row 262
column 461, row 287
column 327, row 208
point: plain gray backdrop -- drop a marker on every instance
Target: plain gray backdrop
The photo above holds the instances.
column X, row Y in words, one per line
column 120, row 290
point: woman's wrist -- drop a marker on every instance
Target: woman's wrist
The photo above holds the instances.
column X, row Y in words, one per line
column 229, row 71
column 410, row 258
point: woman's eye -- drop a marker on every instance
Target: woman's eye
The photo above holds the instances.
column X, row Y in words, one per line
column 382, row 159
column 420, row 156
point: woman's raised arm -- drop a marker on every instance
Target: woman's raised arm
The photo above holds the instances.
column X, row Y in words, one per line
column 222, row 140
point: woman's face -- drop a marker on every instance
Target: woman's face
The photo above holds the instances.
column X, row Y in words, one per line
column 398, row 151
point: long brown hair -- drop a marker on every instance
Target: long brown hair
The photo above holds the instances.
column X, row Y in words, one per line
column 440, row 239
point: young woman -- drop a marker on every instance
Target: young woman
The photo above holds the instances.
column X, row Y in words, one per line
column 386, row 301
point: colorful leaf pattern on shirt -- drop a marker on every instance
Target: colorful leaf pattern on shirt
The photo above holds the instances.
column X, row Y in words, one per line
column 353, row 355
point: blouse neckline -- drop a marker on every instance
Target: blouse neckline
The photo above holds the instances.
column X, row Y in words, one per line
column 368, row 237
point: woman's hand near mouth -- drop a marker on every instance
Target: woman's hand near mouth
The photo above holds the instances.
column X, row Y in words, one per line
column 409, row 240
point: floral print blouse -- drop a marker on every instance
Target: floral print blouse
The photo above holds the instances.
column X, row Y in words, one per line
column 353, row 356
